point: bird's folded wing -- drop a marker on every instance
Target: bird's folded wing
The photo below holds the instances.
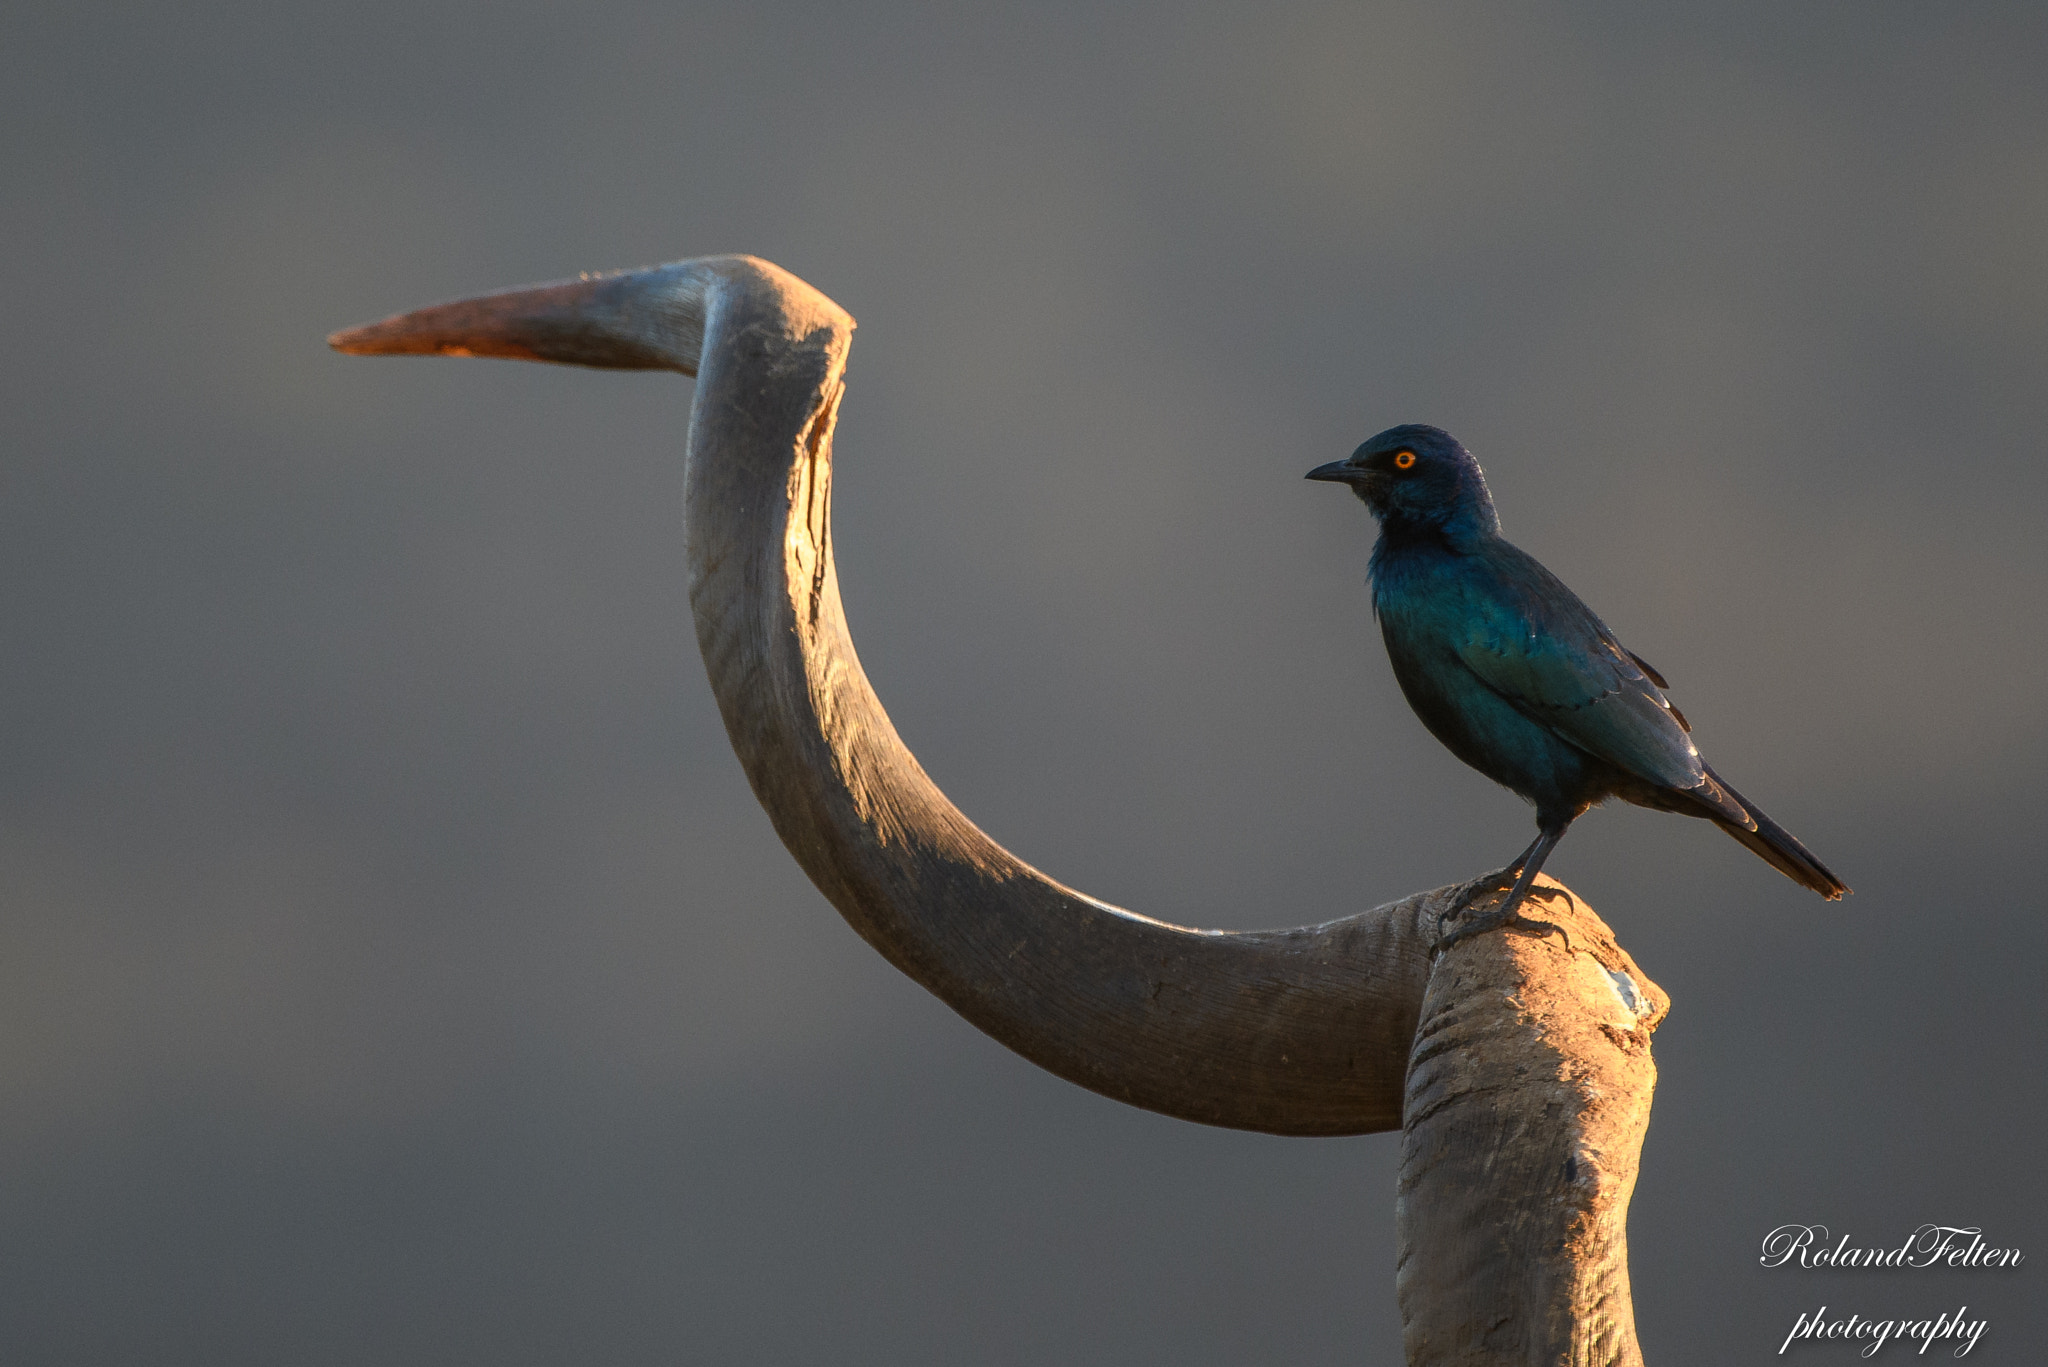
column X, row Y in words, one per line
column 1545, row 653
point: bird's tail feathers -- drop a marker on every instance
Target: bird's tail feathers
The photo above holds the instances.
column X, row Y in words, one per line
column 1778, row 847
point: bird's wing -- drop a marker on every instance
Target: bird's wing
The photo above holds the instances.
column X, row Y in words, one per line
column 1529, row 639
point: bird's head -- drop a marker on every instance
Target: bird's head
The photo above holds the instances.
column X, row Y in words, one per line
column 1417, row 475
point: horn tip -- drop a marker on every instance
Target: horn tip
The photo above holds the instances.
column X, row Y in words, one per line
column 401, row 336
column 371, row 339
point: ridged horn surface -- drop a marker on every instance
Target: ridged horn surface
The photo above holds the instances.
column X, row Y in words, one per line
column 1302, row 1031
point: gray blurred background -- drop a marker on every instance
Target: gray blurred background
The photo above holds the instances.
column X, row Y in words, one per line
column 394, row 967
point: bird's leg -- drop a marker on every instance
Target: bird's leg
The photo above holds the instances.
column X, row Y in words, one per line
column 1493, row 882
column 1505, row 914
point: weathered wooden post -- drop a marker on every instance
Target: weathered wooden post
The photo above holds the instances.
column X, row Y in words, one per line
column 1519, row 1069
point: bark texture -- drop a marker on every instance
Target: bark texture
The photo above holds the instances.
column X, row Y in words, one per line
column 1529, row 1087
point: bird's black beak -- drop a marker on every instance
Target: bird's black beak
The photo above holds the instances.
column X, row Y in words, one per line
column 1337, row 472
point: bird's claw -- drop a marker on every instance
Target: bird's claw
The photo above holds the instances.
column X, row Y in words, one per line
column 1502, row 917
column 1501, row 881
column 1493, row 920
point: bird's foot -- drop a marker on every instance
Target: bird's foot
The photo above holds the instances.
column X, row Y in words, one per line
column 1501, row 880
column 1493, row 920
column 1503, row 917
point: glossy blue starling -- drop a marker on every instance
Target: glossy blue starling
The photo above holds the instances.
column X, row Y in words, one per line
column 1518, row 678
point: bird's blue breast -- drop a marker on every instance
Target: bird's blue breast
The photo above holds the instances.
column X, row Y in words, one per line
column 1520, row 680
column 1426, row 601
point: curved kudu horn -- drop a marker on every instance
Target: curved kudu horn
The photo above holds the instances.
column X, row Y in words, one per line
column 1518, row 1068
column 1301, row 1031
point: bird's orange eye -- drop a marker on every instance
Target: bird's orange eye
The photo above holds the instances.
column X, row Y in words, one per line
column 1404, row 460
